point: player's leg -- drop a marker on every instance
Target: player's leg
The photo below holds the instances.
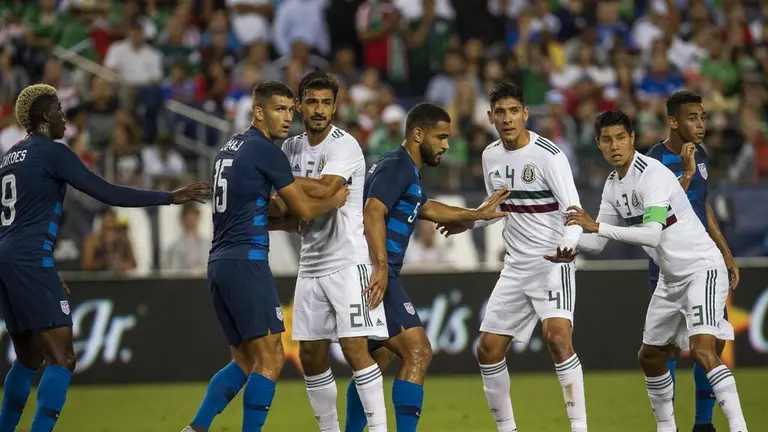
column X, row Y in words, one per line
column 663, row 324
column 355, row 323
column 20, row 377
column 705, row 397
column 356, row 419
column 706, row 297
column 313, row 327
column 268, row 360
column 554, row 307
column 674, row 354
column 409, row 341
column 59, row 356
column 491, row 354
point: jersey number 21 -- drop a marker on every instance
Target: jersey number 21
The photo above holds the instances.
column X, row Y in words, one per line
column 220, row 191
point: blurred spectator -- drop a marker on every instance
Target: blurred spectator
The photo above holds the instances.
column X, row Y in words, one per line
column 190, row 250
column 101, row 110
column 378, row 24
column 301, row 20
column 250, row 19
column 11, row 134
column 108, row 249
column 423, row 248
column 388, row 135
column 161, row 160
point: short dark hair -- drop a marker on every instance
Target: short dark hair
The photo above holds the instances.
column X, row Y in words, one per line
column 613, row 118
column 506, row 90
column 425, row 115
column 319, row 80
column 678, row 99
column 264, row 91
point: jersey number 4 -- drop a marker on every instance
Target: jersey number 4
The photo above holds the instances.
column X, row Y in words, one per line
column 220, row 191
column 8, row 200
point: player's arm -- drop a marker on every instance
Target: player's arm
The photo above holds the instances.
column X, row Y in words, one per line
column 69, row 168
column 323, row 187
column 559, row 177
column 593, row 243
column 688, row 159
column 441, row 213
column 288, row 223
column 713, row 228
column 489, row 191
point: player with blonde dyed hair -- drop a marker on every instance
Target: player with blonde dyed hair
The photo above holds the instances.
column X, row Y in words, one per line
column 33, row 178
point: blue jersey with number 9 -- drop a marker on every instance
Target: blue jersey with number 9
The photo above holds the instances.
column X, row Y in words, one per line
column 245, row 171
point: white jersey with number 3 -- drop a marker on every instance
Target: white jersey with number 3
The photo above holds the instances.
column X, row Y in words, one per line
column 335, row 240
column 685, row 248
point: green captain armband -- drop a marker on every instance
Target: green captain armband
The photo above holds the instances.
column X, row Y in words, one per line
column 655, row 214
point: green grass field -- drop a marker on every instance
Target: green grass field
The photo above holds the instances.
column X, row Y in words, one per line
column 616, row 402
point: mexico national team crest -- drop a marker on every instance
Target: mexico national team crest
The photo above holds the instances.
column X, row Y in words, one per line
column 703, row 170
column 321, row 165
column 409, row 308
column 529, row 173
column 636, row 201
column 279, row 313
column 64, row 307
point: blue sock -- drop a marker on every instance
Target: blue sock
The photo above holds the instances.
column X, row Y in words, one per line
column 407, row 398
column 223, row 387
column 51, row 395
column 705, row 396
column 356, row 419
column 671, row 363
column 257, row 398
column 18, row 384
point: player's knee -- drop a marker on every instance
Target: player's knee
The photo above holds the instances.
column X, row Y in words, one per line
column 418, row 354
column 355, row 351
column 489, row 352
column 66, row 360
column 313, row 359
column 705, row 356
column 650, row 356
column 383, row 357
column 720, row 346
column 559, row 344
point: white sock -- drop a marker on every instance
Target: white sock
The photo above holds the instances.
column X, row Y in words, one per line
column 571, row 379
column 322, row 396
column 496, row 388
column 724, row 386
column 661, row 391
column 370, row 387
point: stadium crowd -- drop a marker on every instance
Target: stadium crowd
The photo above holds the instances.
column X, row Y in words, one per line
column 574, row 58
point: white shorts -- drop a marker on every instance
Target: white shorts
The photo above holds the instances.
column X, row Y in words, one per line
column 520, row 300
column 332, row 306
column 695, row 306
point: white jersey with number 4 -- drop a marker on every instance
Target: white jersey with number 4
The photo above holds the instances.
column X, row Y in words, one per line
column 542, row 188
column 685, row 248
column 334, row 240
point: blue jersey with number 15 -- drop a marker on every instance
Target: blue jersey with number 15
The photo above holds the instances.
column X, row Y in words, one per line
column 245, row 171
column 395, row 181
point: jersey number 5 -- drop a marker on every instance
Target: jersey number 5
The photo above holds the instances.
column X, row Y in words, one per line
column 8, row 200
column 220, row 191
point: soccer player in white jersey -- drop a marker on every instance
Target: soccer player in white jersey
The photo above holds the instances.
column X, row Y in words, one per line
column 687, row 307
column 334, row 266
column 530, row 288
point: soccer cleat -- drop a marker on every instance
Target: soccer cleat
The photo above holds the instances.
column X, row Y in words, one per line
column 188, row 429
column 704, row 428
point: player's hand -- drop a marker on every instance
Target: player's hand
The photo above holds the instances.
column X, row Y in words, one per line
column 733, row 274
column 487, row 210
column 66, row 287
column 577, row 216
column 340, row 197
column 377, row 284
column 564, row 255
column 198, row 191
column 688, row 157
column 449, row 229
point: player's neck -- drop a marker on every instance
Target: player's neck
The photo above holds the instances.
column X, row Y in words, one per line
column 522, row 140
column 674, row 143
column 314, row 138
column 43, row 130
column 412, row 148
column 624, row 169
column 261, row 128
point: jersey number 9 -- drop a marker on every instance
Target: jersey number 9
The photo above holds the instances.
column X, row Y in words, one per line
column 220, row 191
column 8, row 200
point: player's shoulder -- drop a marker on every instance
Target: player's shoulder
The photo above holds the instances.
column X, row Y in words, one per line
column 294, row 143
column 393, row 163
column 344, row 141
column 657, row 151
column 545, row 147
column 651, row 170
column 493, row 147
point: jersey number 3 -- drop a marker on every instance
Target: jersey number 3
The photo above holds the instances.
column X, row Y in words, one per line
column 220, row 191
column 8, row 200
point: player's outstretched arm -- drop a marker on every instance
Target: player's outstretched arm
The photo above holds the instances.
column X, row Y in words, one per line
column 72, row 170
column 713, row 228
column 288, row 224
column 307, row 208
column 375, row 230
column 438, row 212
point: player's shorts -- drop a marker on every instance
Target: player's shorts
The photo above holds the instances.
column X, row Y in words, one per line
column 32, row 298
column 520, row 300
column 653, row 281
column 332, row 306
column 244, row 295
column 695, row 306
column 400, row 311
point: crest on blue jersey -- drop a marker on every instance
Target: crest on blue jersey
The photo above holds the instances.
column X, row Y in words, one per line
column 279, row 313
column 703, row 170
column 409, row 308
column 64, row 307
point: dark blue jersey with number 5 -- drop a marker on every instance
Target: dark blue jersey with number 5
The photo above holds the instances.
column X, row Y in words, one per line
column 245, row 171
column 395, row 181
column 33, row 180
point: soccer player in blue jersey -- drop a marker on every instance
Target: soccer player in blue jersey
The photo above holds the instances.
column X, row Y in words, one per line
column 684, row 154
column 242, row 287
column 33, row 179
column 394, row 200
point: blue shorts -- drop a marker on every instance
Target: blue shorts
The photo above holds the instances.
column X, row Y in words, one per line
column 653, row 280
column 32, row 298
column 401, row 313
column 244, row 295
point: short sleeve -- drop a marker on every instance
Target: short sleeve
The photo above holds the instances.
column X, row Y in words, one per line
column 273, row 163
column 344, row 159
column 389, row 182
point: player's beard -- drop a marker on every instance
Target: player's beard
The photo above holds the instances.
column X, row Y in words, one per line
column 428, row 156
column 313, row 123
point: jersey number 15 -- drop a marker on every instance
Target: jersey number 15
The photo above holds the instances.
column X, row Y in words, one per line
column 220, row 186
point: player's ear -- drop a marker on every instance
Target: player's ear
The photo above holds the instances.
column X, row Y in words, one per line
column 672, row 122
column 525, row 113
column 418, row 135
column 490, row 117
column 297, row 104
column 258, row 113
